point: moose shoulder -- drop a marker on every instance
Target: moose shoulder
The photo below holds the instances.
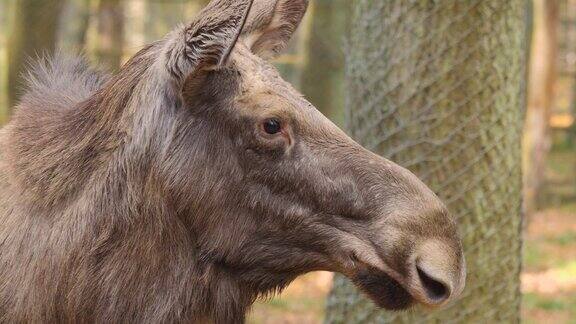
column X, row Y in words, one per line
column 196, row 180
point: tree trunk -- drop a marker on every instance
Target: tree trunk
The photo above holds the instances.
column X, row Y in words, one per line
column 110, row 40
column 5, row 7
column 161, row 18
column 322, row 78
column 540, row 99
column 73, row 33
column 34, row 30
column 437, row 86
column 164, row 16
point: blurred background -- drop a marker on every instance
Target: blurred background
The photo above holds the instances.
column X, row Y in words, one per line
column 108, row 32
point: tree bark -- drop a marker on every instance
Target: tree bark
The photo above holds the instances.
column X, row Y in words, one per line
column 5, row 7
column 33, row 33
column 163, row 16
column 437, row 86
column 540, row 99
column 73, row 34
column 110, row 40
column 323, row 74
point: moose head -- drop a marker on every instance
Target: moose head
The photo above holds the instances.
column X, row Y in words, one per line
column 198, row 174
column 289, row 192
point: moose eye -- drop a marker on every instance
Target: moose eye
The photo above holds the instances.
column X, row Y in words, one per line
column 272, row 126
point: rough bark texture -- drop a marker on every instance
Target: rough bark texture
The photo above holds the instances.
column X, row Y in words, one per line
column 162, row 15
column 540, row 99
column 110, row 39
column 323, row 71
column 34, row 30
column 73, row 34
column 437, row 86
column 5, row 6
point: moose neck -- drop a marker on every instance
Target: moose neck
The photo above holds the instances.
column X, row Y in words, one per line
column 231, row 293
column 98, row 160
column 77, row 140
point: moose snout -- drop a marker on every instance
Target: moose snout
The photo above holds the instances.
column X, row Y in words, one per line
column 430, row 271
column 437, row 274
column 415, row 254
column 419, row 261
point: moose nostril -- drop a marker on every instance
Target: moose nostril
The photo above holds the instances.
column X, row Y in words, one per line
column 436, row 290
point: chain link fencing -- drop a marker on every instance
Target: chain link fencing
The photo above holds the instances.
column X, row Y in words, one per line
column 438, row 86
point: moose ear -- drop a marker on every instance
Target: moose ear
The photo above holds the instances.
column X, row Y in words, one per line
column 271, row 24
column 207, row 42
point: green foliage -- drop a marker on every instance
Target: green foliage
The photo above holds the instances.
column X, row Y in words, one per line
column 532, row 300
column 533, row 256
column 541, row 253
column 561, row 306
column 565, row 239
column 559, row 191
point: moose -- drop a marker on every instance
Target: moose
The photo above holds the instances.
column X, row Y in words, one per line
column 195, row 180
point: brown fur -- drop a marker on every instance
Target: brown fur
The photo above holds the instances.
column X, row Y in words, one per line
column 154, row 196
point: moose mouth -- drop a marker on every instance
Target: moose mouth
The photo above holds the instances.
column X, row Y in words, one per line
column 383, row 290
column 389, row 294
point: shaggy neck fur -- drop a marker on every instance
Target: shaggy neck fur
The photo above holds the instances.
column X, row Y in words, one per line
column 119, row 247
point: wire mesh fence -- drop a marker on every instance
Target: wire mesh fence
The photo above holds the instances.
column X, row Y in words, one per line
column 438, row 87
